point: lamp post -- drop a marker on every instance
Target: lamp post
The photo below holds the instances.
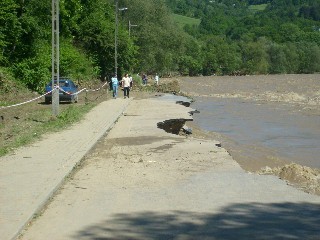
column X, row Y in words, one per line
column 131, row 25
column 55, row 57
column 116, row 37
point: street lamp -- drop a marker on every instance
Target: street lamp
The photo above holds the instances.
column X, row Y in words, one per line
column 131, row 25
column 116, row 38
column 55, row 57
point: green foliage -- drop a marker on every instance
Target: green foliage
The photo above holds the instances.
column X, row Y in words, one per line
column 137, row 79
column 292, row 57
column 8, row 83
column 159, row 40
column 10, row 29
column 76, row 64
column 32, row 72
column 35, row 72
column 189, row 66
column 309, row 55
column 255, row 57
column 221, row 57
column 278, row 59
column 214, row 37
column 96, row 35
column 262, row 36
column 71, row 14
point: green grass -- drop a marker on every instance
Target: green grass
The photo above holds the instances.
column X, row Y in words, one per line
column 183, row 20
column 41, row 122
column 257, row 8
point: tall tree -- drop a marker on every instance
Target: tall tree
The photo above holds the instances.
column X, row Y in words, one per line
column 159, row 40
column 10, row 29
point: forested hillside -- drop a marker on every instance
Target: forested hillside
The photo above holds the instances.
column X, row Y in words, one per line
column 233, row 37
column 87, row 37
column 255, row 36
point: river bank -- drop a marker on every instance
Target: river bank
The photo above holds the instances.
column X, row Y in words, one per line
column 228, row 98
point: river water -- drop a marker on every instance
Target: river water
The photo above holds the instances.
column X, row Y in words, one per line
column 262, row 120
column 259, row 134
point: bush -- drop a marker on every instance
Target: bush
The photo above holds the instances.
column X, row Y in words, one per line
column 35, row 72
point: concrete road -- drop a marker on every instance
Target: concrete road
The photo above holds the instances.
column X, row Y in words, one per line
column 30, row 175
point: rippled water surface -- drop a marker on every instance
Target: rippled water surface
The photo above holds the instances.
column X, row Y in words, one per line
column 270, row 129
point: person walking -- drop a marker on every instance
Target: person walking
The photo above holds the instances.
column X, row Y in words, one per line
column 115, row 84
column 144, row 79
column 156, row 79
column 126, row 85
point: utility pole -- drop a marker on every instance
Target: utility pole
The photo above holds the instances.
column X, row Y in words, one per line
column 116, row 41
column 55, row 57
column 116, row 37
column 131, row 25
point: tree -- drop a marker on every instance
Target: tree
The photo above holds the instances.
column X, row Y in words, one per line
column 96, row 36
column 277, row 59
column 221, row 57
column 160, row 42
column 255, row 57
column 10, row 29
column 292, row 56
column 309, row 55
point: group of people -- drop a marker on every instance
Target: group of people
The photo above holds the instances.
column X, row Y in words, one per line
column 126, row 83
column 145, row 79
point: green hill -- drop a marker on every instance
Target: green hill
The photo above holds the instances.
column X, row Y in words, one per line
column 257, row 8
column 183, row 20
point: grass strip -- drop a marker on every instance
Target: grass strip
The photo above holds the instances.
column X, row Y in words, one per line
column 42, row 122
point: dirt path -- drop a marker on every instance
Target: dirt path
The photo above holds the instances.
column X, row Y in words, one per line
column 141, row 182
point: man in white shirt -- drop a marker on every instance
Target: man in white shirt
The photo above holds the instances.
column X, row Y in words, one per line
column 126, row 85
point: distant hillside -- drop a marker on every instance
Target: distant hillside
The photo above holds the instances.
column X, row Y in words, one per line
column 250, row 36
column 183, row 20
column 256, row 8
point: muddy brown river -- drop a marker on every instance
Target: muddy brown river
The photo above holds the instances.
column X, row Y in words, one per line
column 260, row 120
